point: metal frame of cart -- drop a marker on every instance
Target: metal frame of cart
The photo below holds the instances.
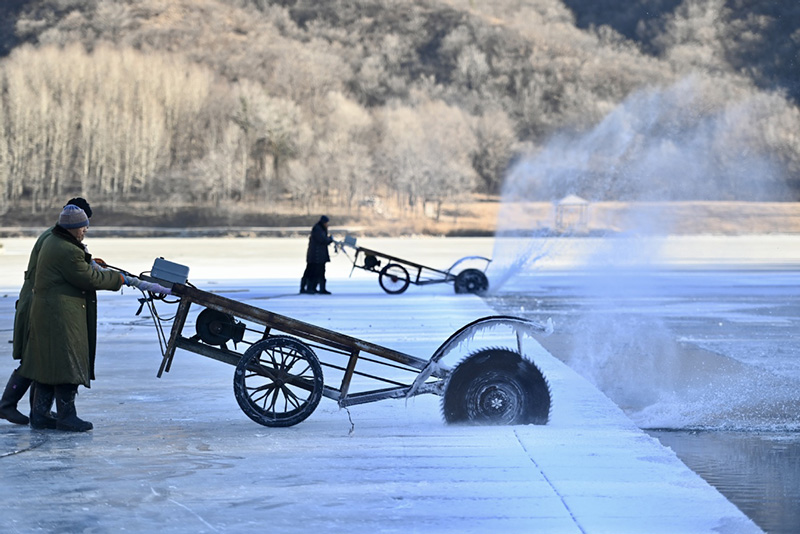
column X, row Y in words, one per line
column 397, row 274
column 279, row 381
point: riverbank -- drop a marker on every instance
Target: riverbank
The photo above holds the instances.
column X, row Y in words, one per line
column 480, row 217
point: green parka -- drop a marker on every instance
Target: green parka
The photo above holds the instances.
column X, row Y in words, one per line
column 21, row 322
column 60, row 348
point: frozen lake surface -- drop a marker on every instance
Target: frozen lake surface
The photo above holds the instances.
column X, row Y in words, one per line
column 698, row 341
column 178, row 455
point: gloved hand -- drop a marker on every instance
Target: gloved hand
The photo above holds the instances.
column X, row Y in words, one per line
column 154, row 288
column 130, row 280
column 99, row 265
column 146, row 286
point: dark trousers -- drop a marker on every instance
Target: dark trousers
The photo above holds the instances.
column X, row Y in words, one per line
column 313, row 278
column 306, row 279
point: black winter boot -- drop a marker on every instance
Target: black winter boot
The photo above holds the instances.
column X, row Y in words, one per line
column 67, row 415
column 41, row 417
column 15, row 389
column 32, row 395
column 322, row 289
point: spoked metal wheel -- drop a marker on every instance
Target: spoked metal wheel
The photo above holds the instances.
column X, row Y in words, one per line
column 278, row 381
column 394, row 278
column 471, row 281
column 496, row 387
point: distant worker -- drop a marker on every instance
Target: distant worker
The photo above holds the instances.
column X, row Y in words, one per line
column 317, row 256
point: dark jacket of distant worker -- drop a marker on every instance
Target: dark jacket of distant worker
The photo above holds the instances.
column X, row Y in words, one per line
column 60, row 349
column 17, row 384
column 316, row 257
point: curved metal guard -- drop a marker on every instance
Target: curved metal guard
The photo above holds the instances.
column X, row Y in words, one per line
column 518, row 325
column 467, row 258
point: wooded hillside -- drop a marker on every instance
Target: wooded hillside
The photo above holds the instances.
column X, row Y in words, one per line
column 378, row 106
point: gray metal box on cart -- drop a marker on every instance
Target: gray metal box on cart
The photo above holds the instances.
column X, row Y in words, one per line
column 169, row 271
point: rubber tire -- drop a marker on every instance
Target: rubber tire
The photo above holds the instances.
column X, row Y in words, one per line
column 280, row 346
column 496, row 386
column 385, row 275
column 471, row 281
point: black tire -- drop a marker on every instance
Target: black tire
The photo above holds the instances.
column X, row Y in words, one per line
column 471, row 281
column 496, row 387
column 394, row 279
column 278, row 381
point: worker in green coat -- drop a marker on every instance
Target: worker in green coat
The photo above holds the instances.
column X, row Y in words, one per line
column 60, row 348
column 17, row 384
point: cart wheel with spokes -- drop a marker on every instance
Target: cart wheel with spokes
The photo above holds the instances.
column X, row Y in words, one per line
column 278, row 381
column 394, row 278
column 496, row 386
column 471, row 281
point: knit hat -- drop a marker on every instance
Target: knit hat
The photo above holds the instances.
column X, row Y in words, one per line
column 324, row 219
column 72, row 217
column 82, row 204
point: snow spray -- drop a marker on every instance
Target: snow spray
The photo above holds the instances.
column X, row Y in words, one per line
column 676, row 143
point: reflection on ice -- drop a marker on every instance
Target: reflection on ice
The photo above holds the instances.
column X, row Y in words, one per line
column 20, row 439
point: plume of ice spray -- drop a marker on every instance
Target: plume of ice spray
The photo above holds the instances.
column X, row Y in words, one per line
column 683, row 142
column 694, row 140
column 632, row 359
column 728, row 401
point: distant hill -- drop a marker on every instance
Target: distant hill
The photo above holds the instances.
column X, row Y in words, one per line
column 348, row 105
column 760, row 38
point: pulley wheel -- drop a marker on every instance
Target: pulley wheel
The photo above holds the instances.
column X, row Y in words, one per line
column 370, row 262
column 214, row 327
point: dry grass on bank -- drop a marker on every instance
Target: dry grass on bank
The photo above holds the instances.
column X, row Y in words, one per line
column 486, row 217
column 483, row 216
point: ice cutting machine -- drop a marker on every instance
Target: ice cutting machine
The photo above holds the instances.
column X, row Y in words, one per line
column 279, row 381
